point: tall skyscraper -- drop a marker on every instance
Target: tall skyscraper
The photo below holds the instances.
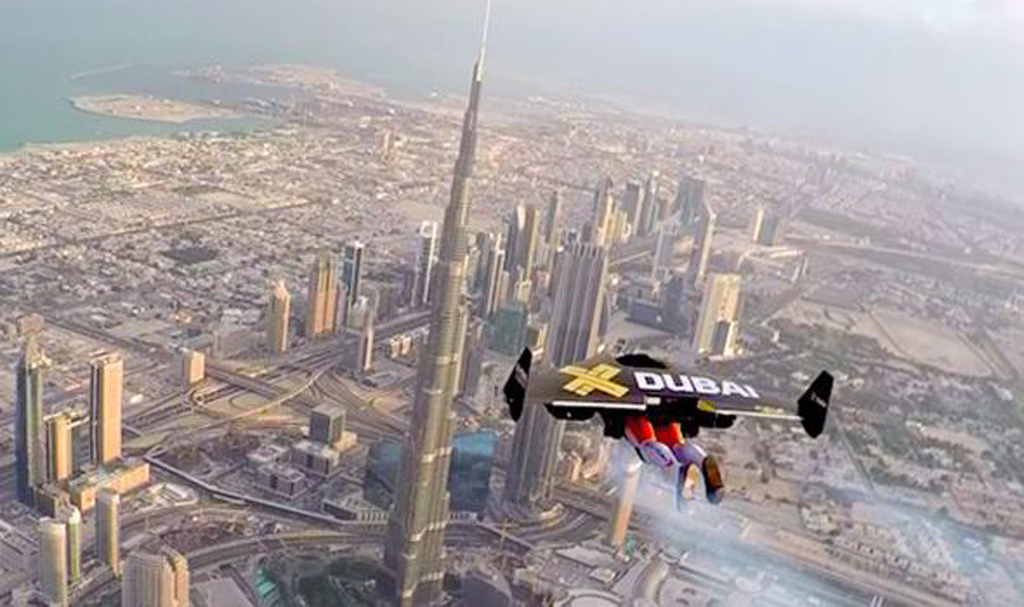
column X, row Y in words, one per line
column 756, row 223
column 702, row 245
column 573, row 335
column 632, row 204
column 106, row 396
column 59, row 455
column 322, row 297
column 279, row 308
column 364, row 353
column 522, row 235
column 649, row 204
column 689, row 200
column 73, row 523
column 473, row 352
column 351, row 276
column 426, row 257
column 193, row 367
column 720, row 304
column 618, row 525
column 155, row 580
column 665, row 250
column 674, row 302
column 29, row 437
column 772, row 229
column 414, row 554
column 515, row 223
column 578, row 304
column 53, row 561
column 553, row 226
column 494, row 276
column 108, row 530
column 527, row 246
column 604, row 213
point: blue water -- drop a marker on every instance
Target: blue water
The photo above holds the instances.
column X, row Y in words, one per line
column 852, row 82
column 45, row 44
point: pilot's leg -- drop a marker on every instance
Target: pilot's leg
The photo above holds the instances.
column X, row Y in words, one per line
column 640, row 433
column 690, row 454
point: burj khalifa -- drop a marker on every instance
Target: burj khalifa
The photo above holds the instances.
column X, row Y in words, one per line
column 414, row 556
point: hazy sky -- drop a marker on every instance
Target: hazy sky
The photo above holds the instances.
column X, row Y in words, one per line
column 938, row 77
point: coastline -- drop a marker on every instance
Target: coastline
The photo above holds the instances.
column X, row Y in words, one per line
column 150, row 109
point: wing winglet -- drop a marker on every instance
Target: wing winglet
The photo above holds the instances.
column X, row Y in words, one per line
column 518, row 380
column 812, row 407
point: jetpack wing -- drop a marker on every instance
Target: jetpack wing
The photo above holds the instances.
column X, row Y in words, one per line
column 573, row 391
column 811, row 410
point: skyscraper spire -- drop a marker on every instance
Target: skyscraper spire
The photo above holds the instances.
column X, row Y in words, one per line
column 483, row 40
column 414, row 554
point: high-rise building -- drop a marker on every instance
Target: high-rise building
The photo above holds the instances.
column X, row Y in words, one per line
column 108, row 530
column 508, row 328
column 326, row 424
column 351, row 276
column 756, row 223
column 573, row 335
column 494, row 275
column 702, row 245
column 59, row 446
column 414, row 556
column 621, row 230
column 578, row 305
column 364, row 353
column 649, row 206
column 523, row 234
column 604, row 213
column 665, row 250
column 526, row 252
column 155, row 580
column 515, row 224
column 674, row 302
column 632, row 204
column 193, row 367
column 322, row 297
column 773, row 229
column 106, row 396
column 552, row 226
column 720, row 303
column 73, row 523
column 29, row 434
column 426, row 257
column 689, row 200
column 279, row 309
column 618, row 525
column 53, row 561
column 473, row 352
column 724, row 341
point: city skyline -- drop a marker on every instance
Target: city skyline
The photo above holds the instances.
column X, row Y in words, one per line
column 191, row 444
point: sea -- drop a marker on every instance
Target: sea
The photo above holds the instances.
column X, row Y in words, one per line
column 682, row 62
column 53, row 50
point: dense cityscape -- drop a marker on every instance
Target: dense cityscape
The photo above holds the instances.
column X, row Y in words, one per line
column 264, row 368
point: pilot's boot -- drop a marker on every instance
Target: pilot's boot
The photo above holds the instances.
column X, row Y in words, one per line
column 691, row 454
column 653, row 452
column 713, row 482
column 684, row 488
